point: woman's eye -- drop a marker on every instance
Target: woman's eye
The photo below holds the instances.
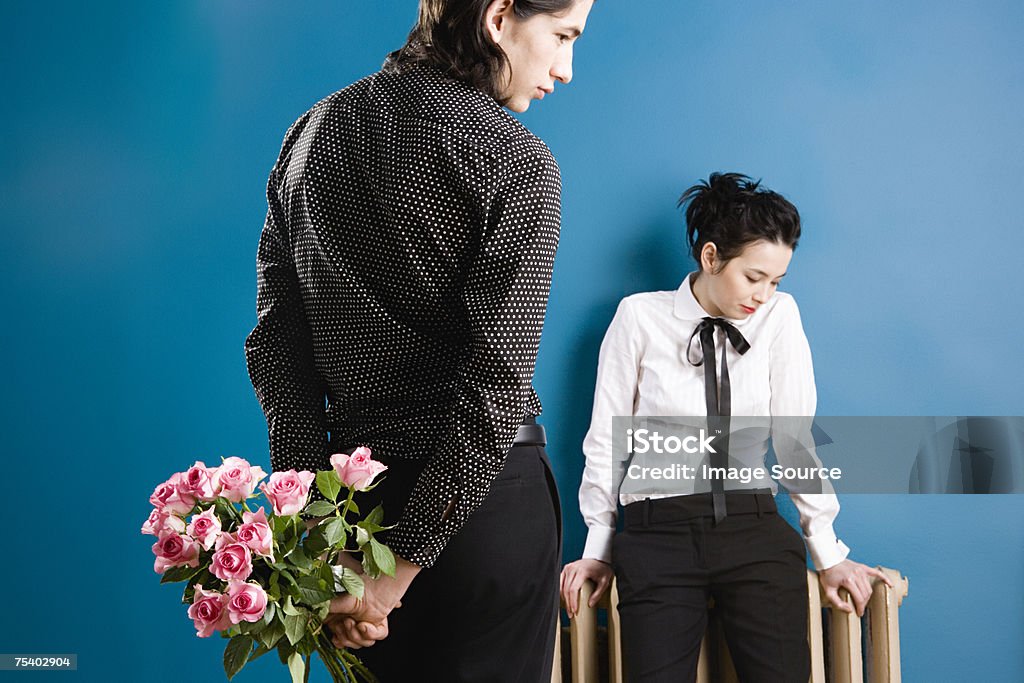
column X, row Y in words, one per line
column 563, row 38
column 751, row 280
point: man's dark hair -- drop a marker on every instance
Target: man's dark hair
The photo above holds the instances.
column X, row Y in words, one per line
column 732, row 211
column 449, row 35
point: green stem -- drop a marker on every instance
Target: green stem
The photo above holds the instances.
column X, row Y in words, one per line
column 353, row 662
column 328, row 653
column 235, row 514
column 348, row 501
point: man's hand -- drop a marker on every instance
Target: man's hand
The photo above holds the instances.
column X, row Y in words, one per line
column 347, row 632
column 361, row 622
column 855, row 578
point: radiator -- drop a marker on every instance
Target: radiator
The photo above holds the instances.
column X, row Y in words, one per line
column 844, row 647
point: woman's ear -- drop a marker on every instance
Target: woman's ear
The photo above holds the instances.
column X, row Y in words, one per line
column 708, row 257
column 495, row 19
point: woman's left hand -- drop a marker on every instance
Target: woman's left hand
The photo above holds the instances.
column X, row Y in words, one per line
column 855, row 578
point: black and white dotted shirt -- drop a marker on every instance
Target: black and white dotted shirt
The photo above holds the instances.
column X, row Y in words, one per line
column 403, row 275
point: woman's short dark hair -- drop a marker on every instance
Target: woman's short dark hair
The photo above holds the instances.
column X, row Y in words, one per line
column 732, row 211
column 450, row 35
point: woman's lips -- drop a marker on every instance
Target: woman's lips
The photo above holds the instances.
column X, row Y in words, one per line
column 747, row 309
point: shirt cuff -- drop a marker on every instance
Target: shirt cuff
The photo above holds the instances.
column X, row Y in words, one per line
column 826, row 550
column 415, row 544
column 599, row 544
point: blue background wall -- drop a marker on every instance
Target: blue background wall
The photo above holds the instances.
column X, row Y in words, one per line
column 138, row 137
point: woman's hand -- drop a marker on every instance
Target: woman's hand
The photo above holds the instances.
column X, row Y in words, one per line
column 855, row 578
column 573, row 576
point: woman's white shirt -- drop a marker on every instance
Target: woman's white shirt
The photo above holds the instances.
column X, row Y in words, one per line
column 643, row 370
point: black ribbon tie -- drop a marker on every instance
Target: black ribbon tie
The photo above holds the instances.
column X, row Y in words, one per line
column 718, row 400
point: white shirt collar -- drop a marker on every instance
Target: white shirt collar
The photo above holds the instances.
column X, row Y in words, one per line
column 686, row 306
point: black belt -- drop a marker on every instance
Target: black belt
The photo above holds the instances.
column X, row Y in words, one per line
column 683, row 508
column 530, row 434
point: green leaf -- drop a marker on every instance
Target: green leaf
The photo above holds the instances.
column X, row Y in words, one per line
column 305, row 647
column 288, row 607
column 273, row 633
column 351, row 582
column 284, row 649
column 376, row 516
column 294, row 628
column 268, row 616
column 334, row 532
column 299, row 559
column 351, row 506
column 362, row 536
column 236, row 654
column 371, row 528
column 289, row 539
column 181, row 573
column 315, row 543
column 329, row 484
column 370, row 564
column 248, row 627
column 313, row 590
column 188, row 595
column 288, row 577
column 383, row 557
column 274, row 591
column 297, row 667
column 338, row 571
column 323, row 571
column 204, row 577
column 259, row 652
column 321, row 508
column 224, row 509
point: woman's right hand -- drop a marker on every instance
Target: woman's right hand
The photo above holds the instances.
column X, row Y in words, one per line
column 573, row 576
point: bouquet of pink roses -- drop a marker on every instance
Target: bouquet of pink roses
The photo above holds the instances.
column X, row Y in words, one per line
column 263, row 581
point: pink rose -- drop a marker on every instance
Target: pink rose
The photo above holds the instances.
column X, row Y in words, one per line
column 236, row 479
column 205, row 528
column 162, row 520
column 172, row 497
column 357, row 471
column 209, row 612
column 255, row 533
column 197, row 482
column 246, row 601
column 163, row 492
column 232, row 560
column 288, row 491
column 173, row 549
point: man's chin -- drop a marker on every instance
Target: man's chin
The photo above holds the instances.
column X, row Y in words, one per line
column 518, row 105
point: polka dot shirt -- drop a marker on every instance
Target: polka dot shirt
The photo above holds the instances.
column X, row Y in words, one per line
column 402, row 279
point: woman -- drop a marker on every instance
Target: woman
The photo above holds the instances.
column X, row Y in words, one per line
column 677, row 551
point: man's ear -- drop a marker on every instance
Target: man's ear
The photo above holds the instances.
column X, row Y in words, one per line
column 495, row 19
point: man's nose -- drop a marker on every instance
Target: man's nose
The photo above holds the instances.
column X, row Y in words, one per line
column 562, row 68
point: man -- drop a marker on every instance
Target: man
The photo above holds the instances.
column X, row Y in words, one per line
column 403, row 277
